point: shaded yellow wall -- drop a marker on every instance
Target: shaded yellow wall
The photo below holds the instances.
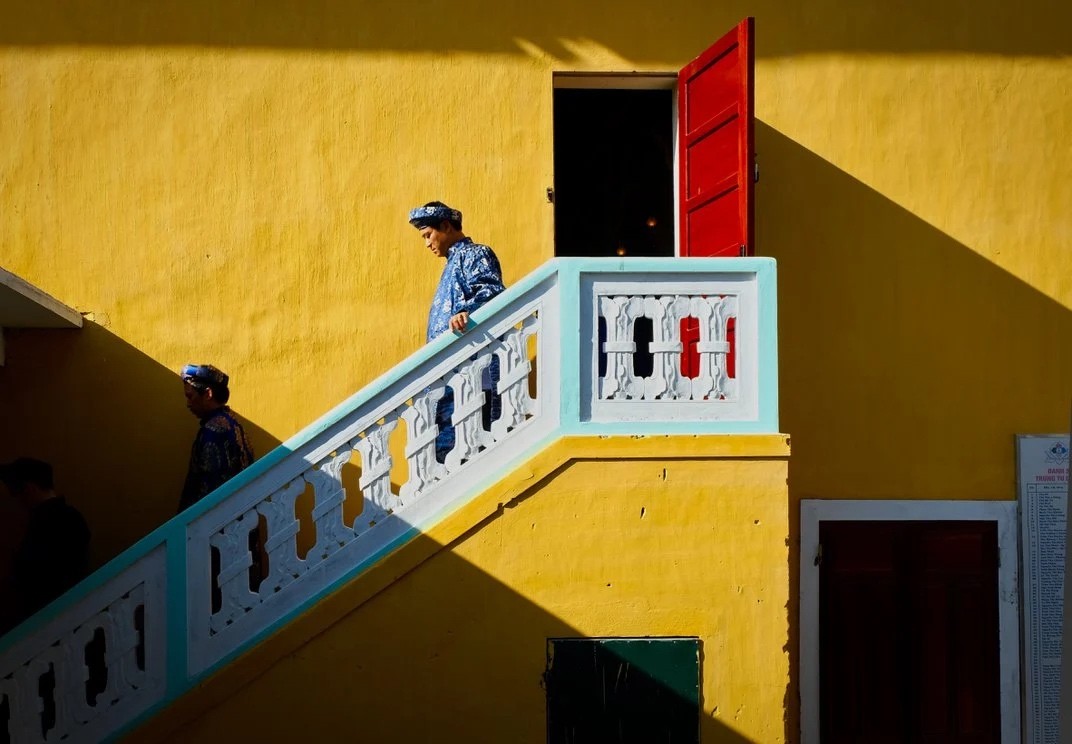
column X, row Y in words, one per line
column 227, row 182
column 455, row 649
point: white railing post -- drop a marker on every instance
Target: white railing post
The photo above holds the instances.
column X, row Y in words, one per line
column 469, row 435
column 424, row 469
column 232, row 544
column 284, row 565
column 620, row 314
column 375, row 481
column 666, row 347
column 513, row 387
column 331, row 531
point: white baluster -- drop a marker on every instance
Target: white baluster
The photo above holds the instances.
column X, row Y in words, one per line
column 68, row 677
column 25, row 714
column 60, row 650
column 30, row 726
column 513, row 387
column 469, row 434
column 78, row 676
column 9, row 690
column 123, row 648
column 235, row 562
column 666, row 381
column 375, row 481
column 284, row 565
column 331, row 532
column 713, row 347
column 421, row 433
column 621, row 314
column 727, row 309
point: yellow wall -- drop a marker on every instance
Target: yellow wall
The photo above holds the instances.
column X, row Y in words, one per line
column 227, row 182
column 454, row 650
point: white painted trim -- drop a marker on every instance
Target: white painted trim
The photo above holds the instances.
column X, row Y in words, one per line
column 30, row 307
column 812, row 512
column 615, row 80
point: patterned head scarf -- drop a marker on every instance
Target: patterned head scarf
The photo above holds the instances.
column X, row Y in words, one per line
column 432, row 215
column 202, row 376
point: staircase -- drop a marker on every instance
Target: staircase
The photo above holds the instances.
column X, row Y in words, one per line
column 189, row 598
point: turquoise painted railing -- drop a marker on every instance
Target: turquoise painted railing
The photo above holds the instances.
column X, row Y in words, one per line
column 585, row 347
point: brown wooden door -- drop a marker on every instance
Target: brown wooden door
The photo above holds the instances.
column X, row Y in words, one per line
column 909, row 633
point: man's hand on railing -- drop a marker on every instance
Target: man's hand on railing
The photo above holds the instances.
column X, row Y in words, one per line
column 459, row 322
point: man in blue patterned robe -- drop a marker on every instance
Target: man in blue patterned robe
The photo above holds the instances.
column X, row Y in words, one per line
column 471, row 277
column 221, row 449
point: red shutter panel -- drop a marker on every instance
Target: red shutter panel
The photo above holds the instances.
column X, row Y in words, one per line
column 716, row 125
column 716, row 143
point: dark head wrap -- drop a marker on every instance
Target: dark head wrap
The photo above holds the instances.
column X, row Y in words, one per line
column 432, row 215
column 202, row 376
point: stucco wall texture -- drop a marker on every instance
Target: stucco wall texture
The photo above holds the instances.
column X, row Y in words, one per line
column 227, row 182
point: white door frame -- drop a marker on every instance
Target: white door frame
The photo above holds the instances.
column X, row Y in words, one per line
column 812, row 512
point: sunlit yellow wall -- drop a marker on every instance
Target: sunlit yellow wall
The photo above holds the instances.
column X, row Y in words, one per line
column 454, row 650
column 227, row 182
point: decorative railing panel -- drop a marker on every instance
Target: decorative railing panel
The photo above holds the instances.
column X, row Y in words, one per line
column 253, row 596
column 273, row 540
column 724, row 313
column 94, row 668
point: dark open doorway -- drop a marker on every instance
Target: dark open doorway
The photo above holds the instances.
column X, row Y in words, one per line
column 614, row 172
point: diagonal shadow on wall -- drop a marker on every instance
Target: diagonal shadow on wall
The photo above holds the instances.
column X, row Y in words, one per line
column 907, row 360
column 445, row 651
column 642, row 32
column 116, row 430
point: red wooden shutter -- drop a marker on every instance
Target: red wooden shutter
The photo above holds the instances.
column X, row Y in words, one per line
column 715, row 98
column 716, row 142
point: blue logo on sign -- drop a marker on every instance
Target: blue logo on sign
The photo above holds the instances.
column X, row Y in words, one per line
column 1058, row 452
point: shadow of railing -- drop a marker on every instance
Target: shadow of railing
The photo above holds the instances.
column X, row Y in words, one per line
column 450, row 642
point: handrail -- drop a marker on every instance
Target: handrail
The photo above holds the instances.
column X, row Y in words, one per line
column 192, row 595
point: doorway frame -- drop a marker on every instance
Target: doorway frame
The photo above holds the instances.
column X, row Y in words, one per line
column 578, row 80
column 1004, row 513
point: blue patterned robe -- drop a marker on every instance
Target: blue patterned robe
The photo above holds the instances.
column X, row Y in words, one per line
column 471, row 277
column 220, row 451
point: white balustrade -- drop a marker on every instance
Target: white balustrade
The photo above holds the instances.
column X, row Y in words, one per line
column 724, row 312
column 249, row 558
column 424, row 469
column 387, row 508
column 667, row 347
column 112, row 640
column 620, row 314
column 513, row 387
column 375, row 482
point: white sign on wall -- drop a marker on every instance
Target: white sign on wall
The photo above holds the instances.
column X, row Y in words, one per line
column 1042, row 476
